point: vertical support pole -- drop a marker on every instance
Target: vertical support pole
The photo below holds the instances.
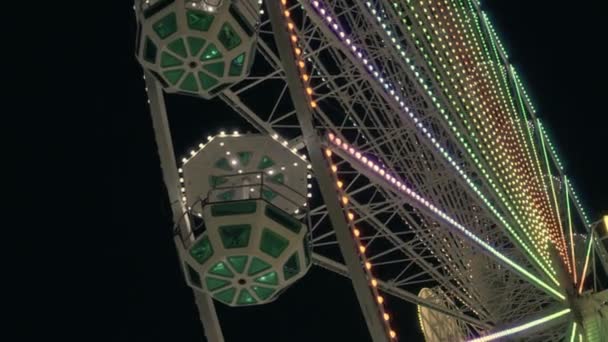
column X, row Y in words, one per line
column 322, row 173
column 162, row 135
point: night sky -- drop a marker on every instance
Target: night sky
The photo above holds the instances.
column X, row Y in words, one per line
column 559, row 52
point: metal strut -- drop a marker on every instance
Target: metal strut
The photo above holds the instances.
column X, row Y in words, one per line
column 322, row 173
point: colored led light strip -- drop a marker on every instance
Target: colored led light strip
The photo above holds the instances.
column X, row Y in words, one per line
column 587, row 254
column 522, row 327
column 332, row 23
column 396, row 5
column 573, row 335
column 400, row 186
column 578, row 204
column 344, row 200
column 557, row 211
column 570, row 231
column 350, row 217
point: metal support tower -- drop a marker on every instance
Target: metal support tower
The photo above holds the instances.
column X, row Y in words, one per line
column 162, row 135
column 322, row 173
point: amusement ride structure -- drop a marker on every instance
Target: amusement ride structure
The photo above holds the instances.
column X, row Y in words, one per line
column 389, row 141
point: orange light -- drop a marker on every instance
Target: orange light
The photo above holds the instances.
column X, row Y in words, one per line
column 393, row 334
column 284, row 2
column 290, row 25
column 286, row 13
column 294, row 38
column 334, row 168
column 386, row 316
column 351, row 216
column 305, row 77
column 380, row 299
column 362, row 249
column 301, row 63
column 340, row 184
column 309, row 90
column 374, row 282
column 356, row 232
column 313, row 104
column 344, row 200
column 368, row 265
column 328, row 152
column 298, row 51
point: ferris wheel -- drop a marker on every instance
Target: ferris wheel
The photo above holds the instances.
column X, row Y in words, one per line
column 390, row 142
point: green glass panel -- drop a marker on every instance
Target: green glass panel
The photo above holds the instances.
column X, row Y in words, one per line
column 189, row 83
column 235, row 236
column 306, row 251
column 268, row 195
column 263, row 292
column 228, row 37
column 215, row 181
column 257, row 266
column 223, row 164
column 193, row 276
column 283, row 218
column 211, row 52
column 215, row 68
column 272, row 243
column 195, row 44
column 238, row 262
column 270, row 278
column 202, row 250
column 150, row 51
column 226, row 296
column 279, row 178
column 265, row 163
column 226, row 195
column 244, row 158
column 215, row 283
column 168, row 60
column 221, row 269
column 173, row 76
column 166, row 26
column 292, row 266
column 245, row 298
column 236, row 66
column 178, row 47
column 199, row 21
column 234, row 208
column 207, row 81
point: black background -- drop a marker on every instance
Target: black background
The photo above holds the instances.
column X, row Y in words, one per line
column 558, row 50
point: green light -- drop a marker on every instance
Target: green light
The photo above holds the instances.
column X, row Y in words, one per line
column 573, row 332
column 521, row 328
column 570, row 231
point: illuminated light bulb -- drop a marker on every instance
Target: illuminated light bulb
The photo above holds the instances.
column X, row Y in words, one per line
column 300, row 63
column 334, row 168
column 233, row 162
column 328, row 152
column 305, row 77
column 374, row 282
column 351, row 216
column 351, row 150
column 338, row 141
column 297, row 51
column 368, row 265
column 393, row 334
column 340, row 184
column 362, row 249
column 331, row 136
column 313, row 104
column 344, row 200
column 356, row 232
column 380, row 299
column 386, row 316
column 290, row 26
column 358, row 155
column 344, row 146
column 286, row 13
column 309, row 90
